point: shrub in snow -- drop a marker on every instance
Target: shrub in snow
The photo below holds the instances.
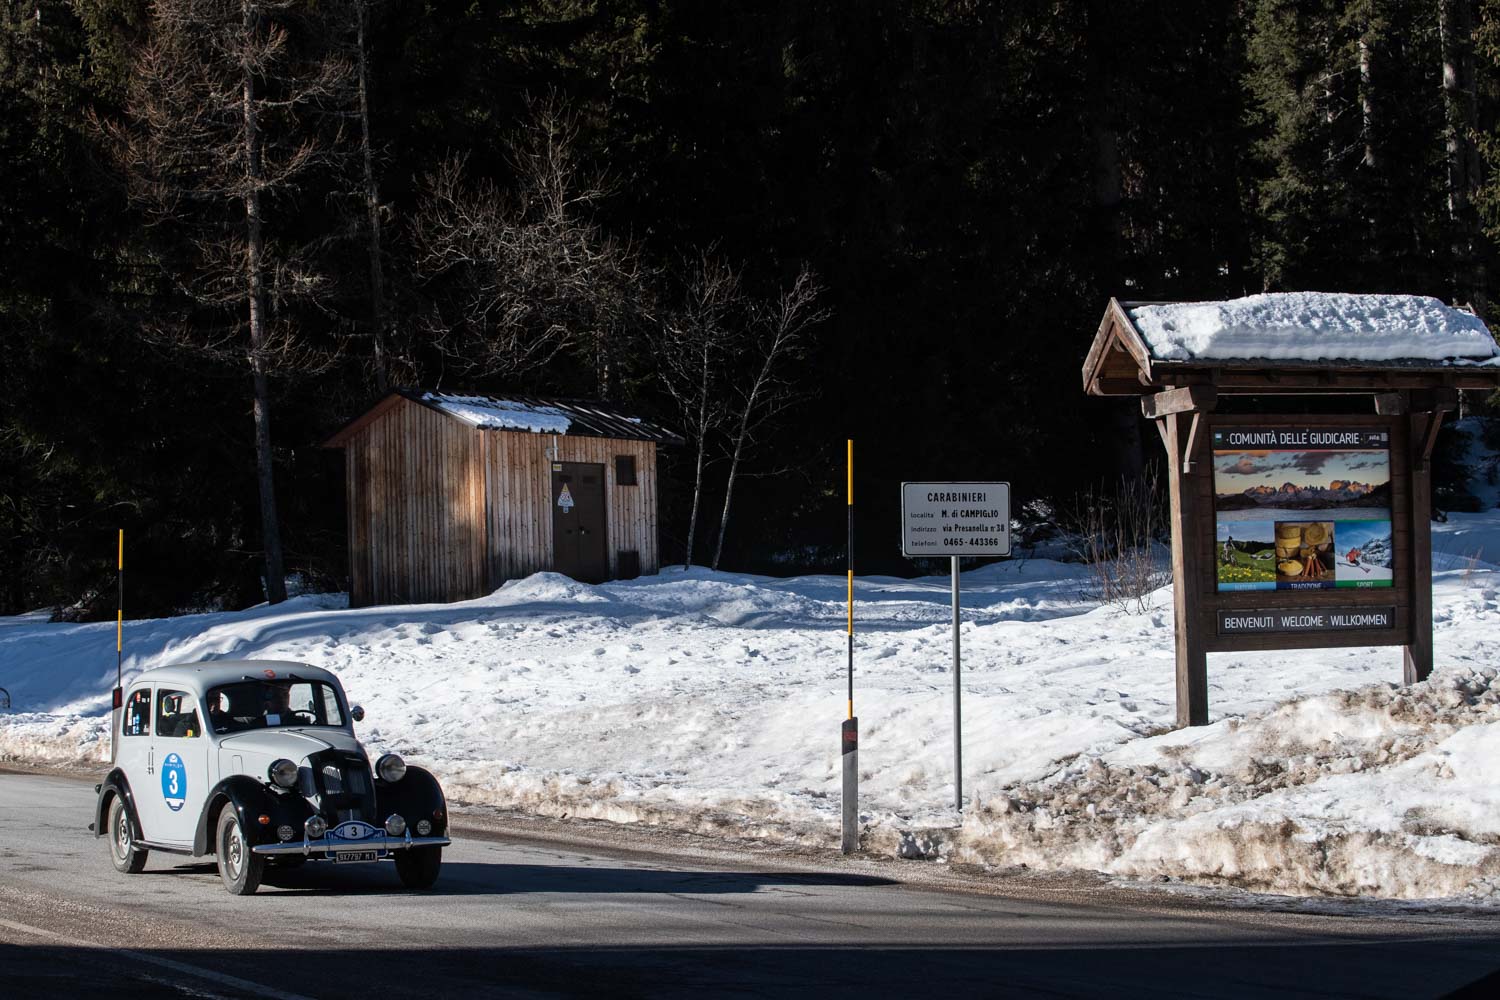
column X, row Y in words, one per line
column 1118, row 535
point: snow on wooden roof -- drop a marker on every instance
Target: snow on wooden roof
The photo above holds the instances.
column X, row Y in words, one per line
column 1142, row 346
column 1312, row 326
column 527, row 414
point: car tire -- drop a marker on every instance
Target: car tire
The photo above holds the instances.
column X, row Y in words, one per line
column 419, row 866
column 240, row 868
column 127, row 858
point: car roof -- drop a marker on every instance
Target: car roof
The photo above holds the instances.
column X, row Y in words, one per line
column 202, row 676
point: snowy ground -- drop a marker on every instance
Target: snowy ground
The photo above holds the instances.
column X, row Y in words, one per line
column 711, row 702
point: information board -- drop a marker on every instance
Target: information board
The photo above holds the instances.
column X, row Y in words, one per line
column 1302, row 507
column 955, row 519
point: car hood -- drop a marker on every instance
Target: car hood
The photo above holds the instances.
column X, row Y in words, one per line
column 290, row 742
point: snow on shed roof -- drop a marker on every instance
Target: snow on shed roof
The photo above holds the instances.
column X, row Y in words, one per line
column 527, row 414
column 579, row 418
column 492, row 414
column 1314, row 326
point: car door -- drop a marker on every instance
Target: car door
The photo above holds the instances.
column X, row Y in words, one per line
column 180, row 756
column 133, row 754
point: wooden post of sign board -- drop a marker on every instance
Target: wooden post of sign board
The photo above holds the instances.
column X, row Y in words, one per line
column 1417, row 655
column 1187, row 569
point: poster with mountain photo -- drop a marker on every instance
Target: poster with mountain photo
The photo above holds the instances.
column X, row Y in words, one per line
column 1302, row 508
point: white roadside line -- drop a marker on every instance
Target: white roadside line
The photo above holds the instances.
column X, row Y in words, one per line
column 181, row 968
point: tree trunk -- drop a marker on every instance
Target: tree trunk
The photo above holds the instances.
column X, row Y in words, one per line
column 254, row 248
column 1456, row 26
column 16, row 586
column 1366, row 96
column 372, row 209
column 1109, row 192
column 734, row 468
column 687, row 559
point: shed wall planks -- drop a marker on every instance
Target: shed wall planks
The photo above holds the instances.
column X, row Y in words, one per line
column 441, row 511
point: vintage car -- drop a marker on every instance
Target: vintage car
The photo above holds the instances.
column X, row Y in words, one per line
column 256, row 762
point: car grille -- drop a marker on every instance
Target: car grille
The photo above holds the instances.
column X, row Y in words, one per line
column 342, row 787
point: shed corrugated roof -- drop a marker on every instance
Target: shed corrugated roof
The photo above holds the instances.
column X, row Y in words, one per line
column 527, row 414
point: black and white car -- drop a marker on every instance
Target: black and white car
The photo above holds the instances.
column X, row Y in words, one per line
column 255, row 762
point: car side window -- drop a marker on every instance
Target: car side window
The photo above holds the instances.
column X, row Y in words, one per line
column 137, row 721
column 176, row 715
column 330, row 715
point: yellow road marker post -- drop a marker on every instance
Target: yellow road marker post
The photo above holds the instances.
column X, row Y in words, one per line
column 117, row 696
column 849, row 742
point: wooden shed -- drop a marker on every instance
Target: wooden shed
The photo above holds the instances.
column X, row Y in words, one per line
column 451, row 495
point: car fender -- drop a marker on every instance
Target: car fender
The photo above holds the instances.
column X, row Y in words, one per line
column 250, row 799
column 416, row 796
column 116, row 784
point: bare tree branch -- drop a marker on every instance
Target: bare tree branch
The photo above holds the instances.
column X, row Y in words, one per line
column 774, row 338
column 517, row 277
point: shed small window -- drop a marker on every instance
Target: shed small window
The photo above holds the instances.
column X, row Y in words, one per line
column 625, row 470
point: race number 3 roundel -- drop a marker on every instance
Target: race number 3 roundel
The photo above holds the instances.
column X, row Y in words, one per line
column 174, row 782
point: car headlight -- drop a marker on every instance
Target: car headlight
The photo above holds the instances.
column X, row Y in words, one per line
column 395, row 825
column 283, row 773
column 315, row 828
column 390, row 768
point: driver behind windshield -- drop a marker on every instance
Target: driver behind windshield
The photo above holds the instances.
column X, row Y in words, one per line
column 257, row 704
column 277, row 704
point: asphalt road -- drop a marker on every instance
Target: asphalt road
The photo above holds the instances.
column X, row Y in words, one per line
column 524, row 918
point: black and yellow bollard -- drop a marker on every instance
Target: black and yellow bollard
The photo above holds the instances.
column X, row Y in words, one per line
column 849, row 732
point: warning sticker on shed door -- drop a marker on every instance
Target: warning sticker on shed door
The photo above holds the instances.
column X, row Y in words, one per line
column 565, row 499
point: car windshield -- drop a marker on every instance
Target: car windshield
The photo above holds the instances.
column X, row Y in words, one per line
column 257, row 704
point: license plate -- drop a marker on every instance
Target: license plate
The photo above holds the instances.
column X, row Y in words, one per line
column 355, row 855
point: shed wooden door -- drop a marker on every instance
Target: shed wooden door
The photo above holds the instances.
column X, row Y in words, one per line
column 579, row 545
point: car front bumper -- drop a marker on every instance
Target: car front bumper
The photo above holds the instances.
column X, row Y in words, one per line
column 329, row 847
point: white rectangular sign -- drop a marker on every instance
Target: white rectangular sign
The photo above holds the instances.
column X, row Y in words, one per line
column 955, row 519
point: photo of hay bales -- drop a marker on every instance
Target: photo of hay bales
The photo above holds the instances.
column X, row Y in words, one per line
column 1305, row 554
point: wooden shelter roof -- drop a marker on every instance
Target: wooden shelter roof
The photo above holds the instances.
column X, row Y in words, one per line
column 1120, row 362
column 577, row 418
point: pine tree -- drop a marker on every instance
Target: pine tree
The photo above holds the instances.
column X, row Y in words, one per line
column 222, row 129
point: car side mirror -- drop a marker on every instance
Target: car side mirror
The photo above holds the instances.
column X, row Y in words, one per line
column 357, row 714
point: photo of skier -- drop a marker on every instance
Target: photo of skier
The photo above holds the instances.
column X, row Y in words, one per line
column 1364, row 554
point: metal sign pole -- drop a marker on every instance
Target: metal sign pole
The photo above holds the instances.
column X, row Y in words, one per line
column 849, row 731
column 955, row 519
column 958, row 729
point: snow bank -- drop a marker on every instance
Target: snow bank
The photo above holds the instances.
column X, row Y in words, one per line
column 1313, row 326
column 711, row 702
column 501, row 414
column 1383, row 790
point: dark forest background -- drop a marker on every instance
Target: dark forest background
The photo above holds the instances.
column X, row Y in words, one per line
column 554, row 182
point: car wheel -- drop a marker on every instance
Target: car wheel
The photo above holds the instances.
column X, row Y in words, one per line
column 240, row 869
column 418, row 866
column 127, row 857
